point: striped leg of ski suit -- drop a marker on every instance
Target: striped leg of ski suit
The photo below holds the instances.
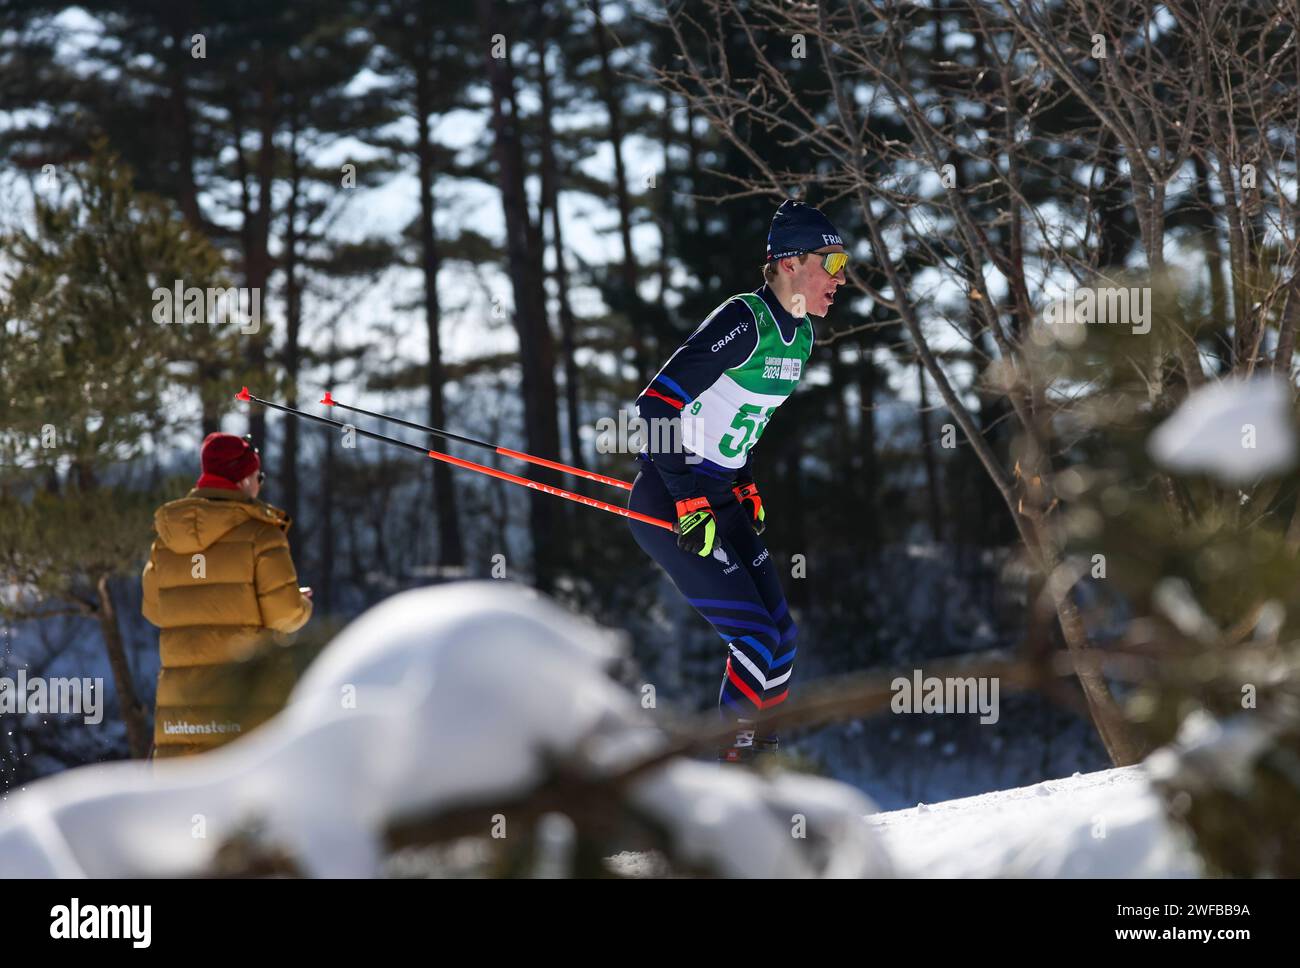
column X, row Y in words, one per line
column 736, row 589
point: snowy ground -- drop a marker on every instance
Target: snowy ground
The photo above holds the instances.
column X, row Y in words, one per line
column 1104, row 824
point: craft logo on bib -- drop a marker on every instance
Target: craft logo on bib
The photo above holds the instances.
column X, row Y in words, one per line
column 781, row 368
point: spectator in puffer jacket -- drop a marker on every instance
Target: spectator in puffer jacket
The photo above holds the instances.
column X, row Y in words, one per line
column 220, row 583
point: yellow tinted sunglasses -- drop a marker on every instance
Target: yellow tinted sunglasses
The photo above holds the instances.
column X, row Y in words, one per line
column 834, row 262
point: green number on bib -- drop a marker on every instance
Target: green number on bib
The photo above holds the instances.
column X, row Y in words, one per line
column 695, row 407
column 750, row 421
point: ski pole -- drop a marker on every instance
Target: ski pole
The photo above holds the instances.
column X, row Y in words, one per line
column 590, row 502
column 329, row 401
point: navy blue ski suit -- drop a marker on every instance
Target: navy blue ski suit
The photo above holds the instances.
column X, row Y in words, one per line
column 736, row 589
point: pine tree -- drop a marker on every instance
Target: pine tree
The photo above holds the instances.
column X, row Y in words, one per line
column 91, row 386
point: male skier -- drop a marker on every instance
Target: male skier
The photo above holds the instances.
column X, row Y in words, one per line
column 721, row 387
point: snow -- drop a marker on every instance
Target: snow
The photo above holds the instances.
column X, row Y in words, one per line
column 798, row 825
column 443, row 697
column 435, row 698
column 1236, row 431
column 1105, row 824
column 1209, row 752
column 1108, row 824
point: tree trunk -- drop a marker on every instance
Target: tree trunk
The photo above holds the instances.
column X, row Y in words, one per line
column 1286, row 331
column 133, row 714
column 1114, row 242
column 257, row 252
column 209, row 369
column 325, row 527
column 868, row 479
column 551, row 203
column 840, row 414
column 287, row 468
column 631, row 298
column 927, row 453
column 665, row 212
column 801, row 589
column 1210, row 241
column 1118, row 737
column 536, row 349
column 182, row 127
column 451, row 552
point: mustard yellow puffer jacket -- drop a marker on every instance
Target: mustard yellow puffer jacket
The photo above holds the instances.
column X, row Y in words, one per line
column 219, row 579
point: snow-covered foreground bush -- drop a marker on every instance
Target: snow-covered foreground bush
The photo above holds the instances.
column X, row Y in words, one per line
column 435, row 699
column 1237, row 431
column 467, row 696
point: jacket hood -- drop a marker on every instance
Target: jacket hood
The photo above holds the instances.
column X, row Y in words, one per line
column 200, row 519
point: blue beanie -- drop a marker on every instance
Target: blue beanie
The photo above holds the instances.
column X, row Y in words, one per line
column 797, row 228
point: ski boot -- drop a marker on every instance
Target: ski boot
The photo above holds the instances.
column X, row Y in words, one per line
column 742, row 750
column 737, row 754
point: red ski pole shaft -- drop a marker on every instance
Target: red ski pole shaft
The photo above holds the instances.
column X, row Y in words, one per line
column 558, row 492
column 329, row 401
column 467, row 464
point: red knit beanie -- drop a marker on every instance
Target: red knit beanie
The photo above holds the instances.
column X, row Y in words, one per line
column 226, row 458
